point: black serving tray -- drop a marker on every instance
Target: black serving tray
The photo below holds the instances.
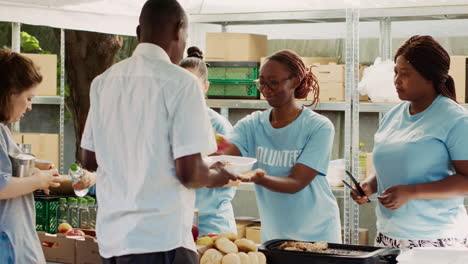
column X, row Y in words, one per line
column 372, row 255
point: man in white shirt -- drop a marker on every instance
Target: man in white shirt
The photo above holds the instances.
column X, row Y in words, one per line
column 146, row 130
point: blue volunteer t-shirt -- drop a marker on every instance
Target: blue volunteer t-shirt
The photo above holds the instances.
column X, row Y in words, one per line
column 311, row 214
column 414, row 149
column 215, row 213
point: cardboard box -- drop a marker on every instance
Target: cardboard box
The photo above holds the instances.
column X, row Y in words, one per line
column 254, row 233
column 330, row 92
column 63, row 249
column 334, row 73
column 44, row 146
column 363, row 236
column 87, row 251
column 47, row 64
column 242, row 227
column 235, row 47
column 458, row 72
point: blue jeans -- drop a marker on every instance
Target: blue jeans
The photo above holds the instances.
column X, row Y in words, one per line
column 7, row 254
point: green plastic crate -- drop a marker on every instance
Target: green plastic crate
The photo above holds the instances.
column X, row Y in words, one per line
column 233, row 90
column 233, row 71
column 230, row 73
column 46, row 213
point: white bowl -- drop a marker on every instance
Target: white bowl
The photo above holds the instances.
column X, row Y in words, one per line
column 234, row 164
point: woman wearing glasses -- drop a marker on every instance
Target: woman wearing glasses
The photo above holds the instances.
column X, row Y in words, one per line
column 292, row 145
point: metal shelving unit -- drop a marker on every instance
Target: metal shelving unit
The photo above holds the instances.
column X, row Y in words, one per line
column 323, row 106
column 352, row 107
column 47, row 100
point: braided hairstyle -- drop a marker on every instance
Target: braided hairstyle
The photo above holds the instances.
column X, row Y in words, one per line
column 195, row 61
column 308, row 81
column 432, row 61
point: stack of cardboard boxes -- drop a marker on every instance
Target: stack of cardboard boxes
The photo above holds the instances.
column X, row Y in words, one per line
column 44, row 146
column 234, row 59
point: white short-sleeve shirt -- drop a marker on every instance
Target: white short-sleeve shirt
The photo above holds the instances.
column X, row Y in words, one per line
column 145, row 113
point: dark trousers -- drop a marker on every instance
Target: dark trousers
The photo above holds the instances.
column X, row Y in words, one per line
column 177, row 256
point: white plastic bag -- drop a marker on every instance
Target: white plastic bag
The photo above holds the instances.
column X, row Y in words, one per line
column 377, row 82
column 336, row 172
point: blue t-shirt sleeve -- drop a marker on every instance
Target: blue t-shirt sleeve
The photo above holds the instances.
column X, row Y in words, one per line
column 317, row 151
column 457, row 140
column 241, row 136
column 220, row 124
column 5, row 164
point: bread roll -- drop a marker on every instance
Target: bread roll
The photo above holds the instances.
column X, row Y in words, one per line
column 245, row 245
column 229, row 235
column 253, row 257
column 226, row 246
column 231, row 258
column 211, row 256
column 244, row 258
column 261, row 258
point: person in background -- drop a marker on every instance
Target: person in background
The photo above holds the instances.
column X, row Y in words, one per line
column 292, row 145
column 146, row 131
column 215, row 211
column 421, row 155
column 19, row 242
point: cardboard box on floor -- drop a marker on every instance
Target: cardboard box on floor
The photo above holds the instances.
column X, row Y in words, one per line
column 47, row 65
column 43, row 146
column 63, row 251
column 235, row 47
column 458, row 71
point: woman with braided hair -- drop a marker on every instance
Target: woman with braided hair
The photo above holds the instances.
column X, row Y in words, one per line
column 421, row 155
column 292, row 144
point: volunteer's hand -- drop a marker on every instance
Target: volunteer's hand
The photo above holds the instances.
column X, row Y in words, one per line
column 366, row 187
column 46, row 179
column 396, row 196
column 255, row 176
column 85, row 182
column 222, row 177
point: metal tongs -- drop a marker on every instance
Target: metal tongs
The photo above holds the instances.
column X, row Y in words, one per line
column 360, row 191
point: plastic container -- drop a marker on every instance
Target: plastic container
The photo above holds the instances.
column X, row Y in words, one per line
column 76, row 173
column 234, row 164
column 62, row 211
column 83, row 219
column 362, row 162
column 233, row 90
column 73, row 215
column 233, row 70
column 92, row 212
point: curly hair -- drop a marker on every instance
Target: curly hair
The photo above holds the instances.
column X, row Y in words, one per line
column 308, row 81
column 17, row 74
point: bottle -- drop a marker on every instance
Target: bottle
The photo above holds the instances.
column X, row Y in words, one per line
column 62, row 211
column 75, row 173
column 73, row 213
column 362, row 162
column 92, row 212
column 83, row 221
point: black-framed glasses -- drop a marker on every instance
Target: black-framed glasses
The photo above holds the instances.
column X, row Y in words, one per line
column 273, row 85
